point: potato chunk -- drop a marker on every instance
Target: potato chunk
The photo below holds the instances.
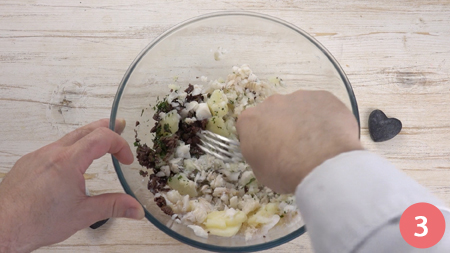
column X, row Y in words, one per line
column 217, row 125
column 225, row 223
column 218, row 103
column 263, row 215
column 171, row 120
column 183, row 185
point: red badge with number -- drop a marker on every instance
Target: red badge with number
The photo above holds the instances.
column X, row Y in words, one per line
column 422, row 225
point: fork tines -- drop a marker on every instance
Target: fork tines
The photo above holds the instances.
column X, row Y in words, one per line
column 221, row 147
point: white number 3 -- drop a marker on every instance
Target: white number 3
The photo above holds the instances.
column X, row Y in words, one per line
column 422, row 225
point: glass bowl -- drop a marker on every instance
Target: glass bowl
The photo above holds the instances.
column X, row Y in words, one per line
column 210, row 45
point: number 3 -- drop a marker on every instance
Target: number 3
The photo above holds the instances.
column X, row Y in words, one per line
column 422, row 225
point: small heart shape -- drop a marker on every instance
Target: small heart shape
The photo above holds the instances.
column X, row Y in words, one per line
column 382, row 128
column 98, row 224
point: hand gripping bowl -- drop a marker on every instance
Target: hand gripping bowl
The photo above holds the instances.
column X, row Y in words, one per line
column 210, row 45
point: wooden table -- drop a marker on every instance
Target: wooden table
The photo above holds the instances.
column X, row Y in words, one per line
column 61, row 63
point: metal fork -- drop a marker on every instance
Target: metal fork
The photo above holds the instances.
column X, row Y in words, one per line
column 221, row 147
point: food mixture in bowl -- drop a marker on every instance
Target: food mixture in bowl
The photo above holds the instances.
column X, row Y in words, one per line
column 209, row 196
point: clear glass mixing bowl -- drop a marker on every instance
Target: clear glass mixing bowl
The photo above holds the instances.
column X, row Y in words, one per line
column 210, row 45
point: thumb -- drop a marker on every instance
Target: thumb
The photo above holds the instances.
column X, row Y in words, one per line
column 110, row 205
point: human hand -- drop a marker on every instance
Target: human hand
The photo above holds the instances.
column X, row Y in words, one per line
column 287, row 136
column 43, row 199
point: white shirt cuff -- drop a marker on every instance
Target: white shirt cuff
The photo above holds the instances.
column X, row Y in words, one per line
column 348, row 197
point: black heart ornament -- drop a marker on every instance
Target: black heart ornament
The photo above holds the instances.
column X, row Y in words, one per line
column 98, row 224
column 382, row 128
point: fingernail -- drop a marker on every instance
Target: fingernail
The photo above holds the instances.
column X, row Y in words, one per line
column 120, row 125
column 133, row 213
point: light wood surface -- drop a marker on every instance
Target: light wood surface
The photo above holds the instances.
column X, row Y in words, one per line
column 61, row 63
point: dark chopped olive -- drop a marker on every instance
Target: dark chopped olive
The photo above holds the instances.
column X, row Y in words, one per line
column 156, row 184
column 143, row 173
column 145, row 156
column 167, row 210
column 191, row 114
column 165, row 189
column 189, row 89
column 160, row 201
column 190, row 97
column 203, row 124
column 198, row 98
column 202, row 183
column 154, row 128
column 165, row 146
column 188, row 134
column 137, row 123
column 382, row 128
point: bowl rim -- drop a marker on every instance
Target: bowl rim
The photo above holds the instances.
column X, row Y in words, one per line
column 127, row 188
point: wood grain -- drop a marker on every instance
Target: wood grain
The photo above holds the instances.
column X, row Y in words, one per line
column 61, row 62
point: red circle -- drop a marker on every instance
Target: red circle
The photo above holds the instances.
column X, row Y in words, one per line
column 422, row 225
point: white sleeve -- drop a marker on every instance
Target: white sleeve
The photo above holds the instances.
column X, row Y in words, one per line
column 354, row 201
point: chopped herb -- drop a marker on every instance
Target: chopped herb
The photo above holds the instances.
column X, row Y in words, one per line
column 142, row 112
column 251, row 181
column 180, row 177
column 281, row 216
column 163, row 106
column 136, row 144
column 167, row 128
